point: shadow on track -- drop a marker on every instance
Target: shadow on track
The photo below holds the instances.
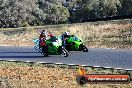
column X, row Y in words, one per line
column 19, row 52
column 22, row 57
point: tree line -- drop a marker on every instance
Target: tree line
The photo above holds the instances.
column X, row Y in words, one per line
column 22, row 13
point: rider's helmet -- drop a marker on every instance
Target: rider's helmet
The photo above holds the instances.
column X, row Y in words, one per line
column 66, row 33
column 43, row 32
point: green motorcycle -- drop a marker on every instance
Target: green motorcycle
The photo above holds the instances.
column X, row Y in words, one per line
column 53, row 47
column 74, row 43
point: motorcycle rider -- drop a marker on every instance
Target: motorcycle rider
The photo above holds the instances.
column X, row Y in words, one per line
column 65, row 36
column 42, row 41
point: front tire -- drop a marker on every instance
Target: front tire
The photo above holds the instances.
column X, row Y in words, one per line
column 45, row 54
column 64, row 52
column 85, row 49
column 45, row 51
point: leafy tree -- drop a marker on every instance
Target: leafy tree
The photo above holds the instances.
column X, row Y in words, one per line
column 19, row 13
column 89, row 9
column 56, row 13
column 126, row 8
column 16, row 13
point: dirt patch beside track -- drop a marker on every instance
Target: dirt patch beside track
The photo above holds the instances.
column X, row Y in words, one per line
column 22, row 75
column 102, row 34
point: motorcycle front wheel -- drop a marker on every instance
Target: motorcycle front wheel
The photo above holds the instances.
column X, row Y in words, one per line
column 64, row 52
column 83, row 48
column 44, row 51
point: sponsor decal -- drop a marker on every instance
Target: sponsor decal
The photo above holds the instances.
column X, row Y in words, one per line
column 83, row 78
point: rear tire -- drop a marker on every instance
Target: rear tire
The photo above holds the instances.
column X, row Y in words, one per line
column 64, row 52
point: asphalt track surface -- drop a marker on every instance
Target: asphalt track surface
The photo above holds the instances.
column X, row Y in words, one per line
column 95, row 57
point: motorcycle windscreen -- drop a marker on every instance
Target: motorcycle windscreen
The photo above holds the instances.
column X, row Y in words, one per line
column 36, row 41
